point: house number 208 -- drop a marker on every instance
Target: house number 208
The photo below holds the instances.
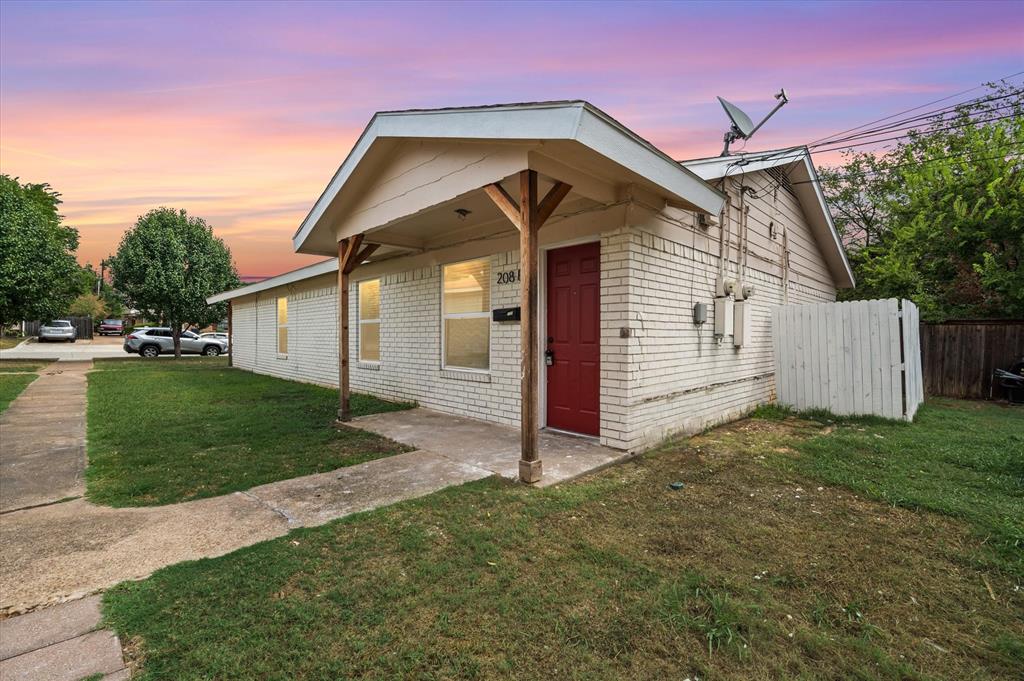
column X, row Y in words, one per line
column 508, row 277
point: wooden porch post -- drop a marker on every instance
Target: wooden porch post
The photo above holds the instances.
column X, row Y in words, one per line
column 344, row 249
column 530, row 466
column 231, row 360
column 349, row 257
column 529, row 216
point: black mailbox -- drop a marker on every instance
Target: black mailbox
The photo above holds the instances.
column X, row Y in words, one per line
column 506, row 314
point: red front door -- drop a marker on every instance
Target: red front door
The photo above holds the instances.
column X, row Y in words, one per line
column 574, row 338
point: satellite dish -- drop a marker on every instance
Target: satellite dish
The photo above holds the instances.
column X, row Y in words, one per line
column 742, row 127
column 740, row 121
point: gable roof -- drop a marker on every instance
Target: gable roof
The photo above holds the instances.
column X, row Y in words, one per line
column 300, row 274
column 806, row 186
column 572, row 121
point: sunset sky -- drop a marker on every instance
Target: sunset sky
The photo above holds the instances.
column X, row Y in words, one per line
column 241, row 112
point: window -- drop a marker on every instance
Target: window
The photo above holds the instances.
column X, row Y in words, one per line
column 369, row 321
column 466, row 316
column 282, row 326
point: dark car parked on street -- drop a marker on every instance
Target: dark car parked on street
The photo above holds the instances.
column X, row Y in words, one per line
column 113, row 327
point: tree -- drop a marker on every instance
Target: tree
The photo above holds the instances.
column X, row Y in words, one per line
column 940, row 218
column 88, row 279
column 85, row 280
column 88, row 305
column 112, row 301
column 37, row 253
column 168, row 264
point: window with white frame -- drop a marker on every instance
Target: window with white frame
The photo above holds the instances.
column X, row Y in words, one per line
column 369, row 320
column 466, row 315
column 282, row 326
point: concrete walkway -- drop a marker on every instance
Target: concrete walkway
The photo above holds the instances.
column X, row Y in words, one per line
column 61, row 643
column 62, row 551
column 42, row 451
column 58, row 552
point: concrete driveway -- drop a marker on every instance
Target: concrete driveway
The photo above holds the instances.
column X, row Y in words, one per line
column 100, row 346
column 86, row 349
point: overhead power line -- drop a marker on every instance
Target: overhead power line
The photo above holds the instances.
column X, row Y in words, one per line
column 917, row 122
column 934, row 159
column 916, row 108
column 907, row 134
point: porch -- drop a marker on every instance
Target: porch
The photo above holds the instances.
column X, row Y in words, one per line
column 441, row 198
column 491, row 446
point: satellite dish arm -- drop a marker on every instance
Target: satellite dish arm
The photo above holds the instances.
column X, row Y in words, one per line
column 783, row 99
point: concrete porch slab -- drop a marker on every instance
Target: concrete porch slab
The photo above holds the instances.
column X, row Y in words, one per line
column 490, row 446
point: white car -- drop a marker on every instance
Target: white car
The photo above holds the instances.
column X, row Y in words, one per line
column 57, row 330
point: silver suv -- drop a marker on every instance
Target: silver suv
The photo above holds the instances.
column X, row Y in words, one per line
column 152, row 342
column 57, row 330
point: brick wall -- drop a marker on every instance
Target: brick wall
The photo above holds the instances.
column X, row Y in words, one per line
column 660, row 373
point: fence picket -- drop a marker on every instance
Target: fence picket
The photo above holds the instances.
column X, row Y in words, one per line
column 846, row 357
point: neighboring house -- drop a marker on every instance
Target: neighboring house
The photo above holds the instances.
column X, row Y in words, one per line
column 428, row 205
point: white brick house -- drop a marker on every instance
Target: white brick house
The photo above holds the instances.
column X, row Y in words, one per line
column 627, row 257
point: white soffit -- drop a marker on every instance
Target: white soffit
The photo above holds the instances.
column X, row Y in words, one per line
column 575, row 121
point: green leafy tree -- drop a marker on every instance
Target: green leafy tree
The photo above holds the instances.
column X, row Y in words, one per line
column 85, row 280
column 88, row 305
column 168, row 264
column 37, row 253
column 940, row 218
column 113, row 301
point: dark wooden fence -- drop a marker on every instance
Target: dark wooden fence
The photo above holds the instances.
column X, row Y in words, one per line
column 958, row 357
column 83, row 325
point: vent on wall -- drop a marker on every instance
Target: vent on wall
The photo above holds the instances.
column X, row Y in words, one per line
column 781, row 178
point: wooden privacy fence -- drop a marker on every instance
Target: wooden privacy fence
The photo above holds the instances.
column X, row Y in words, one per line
column 960, row 356
column 860, row 357
column 83, row 325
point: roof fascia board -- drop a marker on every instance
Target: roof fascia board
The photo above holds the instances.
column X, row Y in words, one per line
column 308, row 272
column 625, row 149
column 714, row 168
column 576, row 121
column 341, row 176
column 826, row 214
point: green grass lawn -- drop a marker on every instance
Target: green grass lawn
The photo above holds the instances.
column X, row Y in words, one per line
column 172, row 430
column 963, row 459
column 11, row 386
column 756, row 569
column 8, row 366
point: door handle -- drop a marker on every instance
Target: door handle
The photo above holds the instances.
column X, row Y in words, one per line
column 549, row 357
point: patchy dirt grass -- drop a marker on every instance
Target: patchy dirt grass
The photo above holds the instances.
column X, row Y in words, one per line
column 19, row 366
column 752, row 570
